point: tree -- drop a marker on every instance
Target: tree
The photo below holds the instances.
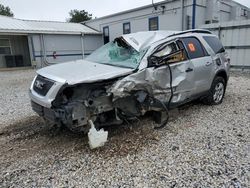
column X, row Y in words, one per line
column 78, row 16
column 5, row 11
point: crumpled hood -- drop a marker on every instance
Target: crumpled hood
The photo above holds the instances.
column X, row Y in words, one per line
column 144, row 39
column 82, row 71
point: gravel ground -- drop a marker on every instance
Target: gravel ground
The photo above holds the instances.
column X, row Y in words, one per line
column 202, row 146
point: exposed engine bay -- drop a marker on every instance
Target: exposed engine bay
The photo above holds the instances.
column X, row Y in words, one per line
column 83, row 102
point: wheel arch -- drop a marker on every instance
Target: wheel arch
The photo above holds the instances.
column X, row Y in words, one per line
column 223, row 74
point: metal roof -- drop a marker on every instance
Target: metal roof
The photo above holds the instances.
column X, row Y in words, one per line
column 148, row 6
column 12, row 25
column 129, row 11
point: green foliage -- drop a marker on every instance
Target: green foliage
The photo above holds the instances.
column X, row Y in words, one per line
column 5, row 11
column 78, row 16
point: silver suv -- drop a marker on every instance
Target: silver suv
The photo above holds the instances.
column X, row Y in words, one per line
column 136, row 73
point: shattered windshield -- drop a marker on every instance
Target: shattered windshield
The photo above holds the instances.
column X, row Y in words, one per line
column 117, row 53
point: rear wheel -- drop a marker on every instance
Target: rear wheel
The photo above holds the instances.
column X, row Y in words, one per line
column 217, row 92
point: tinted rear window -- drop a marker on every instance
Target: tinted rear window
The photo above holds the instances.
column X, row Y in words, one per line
column 215, row 44
column 194, row 47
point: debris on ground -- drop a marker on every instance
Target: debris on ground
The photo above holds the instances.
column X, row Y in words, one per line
column 96, row 138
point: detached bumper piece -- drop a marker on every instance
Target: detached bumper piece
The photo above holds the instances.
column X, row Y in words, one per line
column 42, row 111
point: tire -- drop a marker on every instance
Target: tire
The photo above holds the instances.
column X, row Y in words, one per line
column 53, row 127
column 216, row 92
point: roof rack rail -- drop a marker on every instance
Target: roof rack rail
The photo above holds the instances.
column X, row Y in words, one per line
column 192, row 31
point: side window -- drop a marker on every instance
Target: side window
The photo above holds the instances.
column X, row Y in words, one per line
column 5, row 46
column 153, row 24
column 166, row 50
column 167, row 54
column 214, row 43
column 194, row 47
column 106, row 34
column 181, row 46
column 126, row 28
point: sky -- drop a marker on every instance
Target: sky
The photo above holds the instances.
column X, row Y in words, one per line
column 58, row 10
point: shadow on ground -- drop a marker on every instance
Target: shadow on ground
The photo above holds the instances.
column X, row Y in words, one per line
column 31, row 135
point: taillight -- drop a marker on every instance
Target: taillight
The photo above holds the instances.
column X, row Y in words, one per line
column 227, row 57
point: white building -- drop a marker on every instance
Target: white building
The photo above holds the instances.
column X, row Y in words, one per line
column 235, row 36
column 169, row 15
column 27, row 42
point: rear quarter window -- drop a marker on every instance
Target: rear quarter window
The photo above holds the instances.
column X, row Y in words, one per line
column 194, row 47
column 214, row 43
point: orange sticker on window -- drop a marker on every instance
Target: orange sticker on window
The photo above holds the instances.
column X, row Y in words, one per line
column 191, row 47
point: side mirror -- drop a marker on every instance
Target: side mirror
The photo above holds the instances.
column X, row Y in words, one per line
column 153, row 61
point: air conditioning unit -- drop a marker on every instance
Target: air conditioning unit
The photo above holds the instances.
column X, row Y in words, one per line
column 14, row 60
column 19, row 60
column 10, row 61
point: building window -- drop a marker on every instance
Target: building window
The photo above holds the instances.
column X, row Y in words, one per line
column 106, row 34
column 244, row 12
column 153, row 24
column 5, row 47
column 126, row 28
column 207, row 22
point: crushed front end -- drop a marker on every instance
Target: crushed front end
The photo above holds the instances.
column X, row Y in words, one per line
column 73, row 105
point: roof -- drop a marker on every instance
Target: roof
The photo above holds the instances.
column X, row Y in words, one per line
column 13, row 25
column 145, row 39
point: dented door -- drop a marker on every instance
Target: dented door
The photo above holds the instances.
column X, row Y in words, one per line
column 182, row 80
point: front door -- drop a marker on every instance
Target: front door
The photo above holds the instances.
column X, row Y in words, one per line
column 181, row 69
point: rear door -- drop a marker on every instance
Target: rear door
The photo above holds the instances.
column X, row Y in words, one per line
column 201, row 62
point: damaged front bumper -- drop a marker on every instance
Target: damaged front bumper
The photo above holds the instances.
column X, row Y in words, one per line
column 72, row 115
column 47, row 113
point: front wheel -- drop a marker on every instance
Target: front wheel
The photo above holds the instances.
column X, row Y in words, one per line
column 217, row 92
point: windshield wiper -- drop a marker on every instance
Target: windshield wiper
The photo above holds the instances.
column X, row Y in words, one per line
column 115, row 65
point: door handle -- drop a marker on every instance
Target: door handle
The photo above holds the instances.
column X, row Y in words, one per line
column 189, row 70
column 208, row 63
